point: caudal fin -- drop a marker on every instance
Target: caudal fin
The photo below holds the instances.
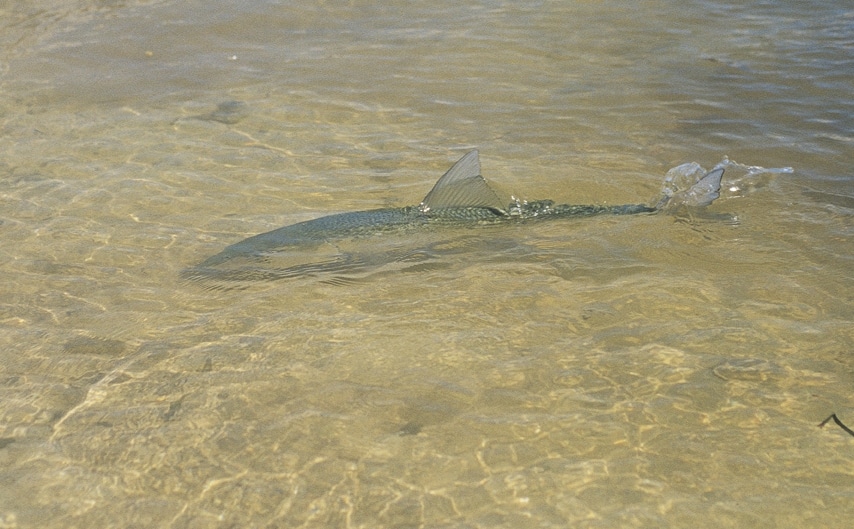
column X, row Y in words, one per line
column 702, row 192
column 705, row 191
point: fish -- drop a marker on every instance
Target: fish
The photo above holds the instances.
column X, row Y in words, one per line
column 460, row 198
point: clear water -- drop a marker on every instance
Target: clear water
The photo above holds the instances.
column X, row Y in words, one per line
column 605, row 372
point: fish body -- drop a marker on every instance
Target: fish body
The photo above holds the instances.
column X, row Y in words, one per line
column 462, row 197
column 357, row 224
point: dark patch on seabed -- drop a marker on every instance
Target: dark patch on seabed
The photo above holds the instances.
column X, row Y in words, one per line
column 86, row 345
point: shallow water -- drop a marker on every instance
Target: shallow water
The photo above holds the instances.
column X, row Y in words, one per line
column 603, row 372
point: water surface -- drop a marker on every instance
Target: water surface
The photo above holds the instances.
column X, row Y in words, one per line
column 604, row 372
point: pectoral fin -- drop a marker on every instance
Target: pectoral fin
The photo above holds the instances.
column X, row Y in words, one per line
column 463, row 187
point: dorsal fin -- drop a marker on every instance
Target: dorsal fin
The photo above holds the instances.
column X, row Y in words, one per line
column 463, row 187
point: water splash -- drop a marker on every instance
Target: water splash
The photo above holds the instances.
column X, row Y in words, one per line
column 743, row 179
column 739, row 180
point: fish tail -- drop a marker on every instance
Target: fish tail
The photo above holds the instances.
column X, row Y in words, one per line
column 687, row 185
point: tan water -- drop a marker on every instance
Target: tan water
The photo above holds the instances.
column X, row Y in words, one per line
column 644, row 371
